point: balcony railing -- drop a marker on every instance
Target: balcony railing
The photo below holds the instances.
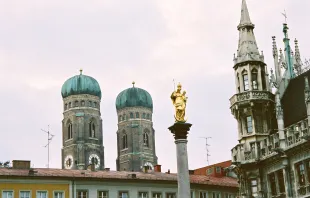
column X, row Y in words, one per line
column 251, row 95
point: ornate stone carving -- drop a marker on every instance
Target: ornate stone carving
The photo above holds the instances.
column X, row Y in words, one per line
column 251, row 95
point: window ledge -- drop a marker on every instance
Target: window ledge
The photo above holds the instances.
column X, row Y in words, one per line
column 93, row 138
column 124, row 149
column 69, row 140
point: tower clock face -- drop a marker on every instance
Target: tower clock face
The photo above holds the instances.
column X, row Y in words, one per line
column 94, row 159
column 68, row 163
column 149, row 165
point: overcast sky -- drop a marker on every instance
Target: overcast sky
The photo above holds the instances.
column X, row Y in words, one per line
column 45, row 42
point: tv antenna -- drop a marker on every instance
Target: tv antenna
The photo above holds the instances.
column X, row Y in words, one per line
column 49, row 140
column 207, row 148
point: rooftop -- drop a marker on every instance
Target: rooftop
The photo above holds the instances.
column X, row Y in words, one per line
column 62, row 174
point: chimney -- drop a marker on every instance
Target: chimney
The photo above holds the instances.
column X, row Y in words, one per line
column 21, row 164
column 32, row 172
column 191, row 172
column 157, row 168
column 145, row 169
column 91, row 167
column 168, row 171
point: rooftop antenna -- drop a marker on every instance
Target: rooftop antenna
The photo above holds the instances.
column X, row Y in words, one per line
column 49, row 140
column 207, row 148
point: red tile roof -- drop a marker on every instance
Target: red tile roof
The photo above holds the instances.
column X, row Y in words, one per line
column 115, row 175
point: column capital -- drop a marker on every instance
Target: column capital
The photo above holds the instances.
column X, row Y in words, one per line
column 180, row 130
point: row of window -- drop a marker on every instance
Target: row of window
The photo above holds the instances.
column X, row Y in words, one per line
column 91, row 130
column 125, row 194
column 214, row 195
column 277, row 182
column 136, row 115
column 245, row 79
column 81, row 104
column 218, row 169
column 145, row 140
column 27, row 194
column 105, row 194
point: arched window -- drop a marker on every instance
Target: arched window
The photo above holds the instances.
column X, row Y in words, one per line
column 66, row 106
column 120, row 118
column 69, row 131
column 254, row 79
column 82, row 103
column 238, row 82
column 148, row 116
column 92, row 129
column 89, row 103
column 124, row 139
column 137, row 115
column 95, row 104
column 143, row 115
column 146, row 139
column 69, row 104
column 124, row 117
column 131, row 115
column 76, row 103
column 245, row 80
column 249, row 124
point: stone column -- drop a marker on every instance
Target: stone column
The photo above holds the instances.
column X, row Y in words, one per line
column 180, row 131
column 280, row 121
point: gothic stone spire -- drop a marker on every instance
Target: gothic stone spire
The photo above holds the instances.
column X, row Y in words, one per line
column 245, row 16
column 247, row 47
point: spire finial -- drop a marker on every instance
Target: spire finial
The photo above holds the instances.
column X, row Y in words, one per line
column 245, row 16
column 133, row 83
column 81, row 71
column 285, row 16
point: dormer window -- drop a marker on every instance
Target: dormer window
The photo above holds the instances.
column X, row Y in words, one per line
column 254, row 79
column 131, row 115
column 137, row 115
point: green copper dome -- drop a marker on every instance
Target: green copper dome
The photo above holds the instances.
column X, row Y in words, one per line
column 80, row 84
column 134, row 97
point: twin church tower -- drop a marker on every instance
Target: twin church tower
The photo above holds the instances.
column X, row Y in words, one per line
column 82, row 127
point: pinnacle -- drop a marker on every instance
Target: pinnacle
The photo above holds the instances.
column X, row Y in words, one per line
column 245, row 16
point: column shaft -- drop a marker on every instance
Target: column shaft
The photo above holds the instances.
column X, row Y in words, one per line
column 182, row 164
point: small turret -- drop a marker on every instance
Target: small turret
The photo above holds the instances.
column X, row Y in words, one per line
column 297, row 59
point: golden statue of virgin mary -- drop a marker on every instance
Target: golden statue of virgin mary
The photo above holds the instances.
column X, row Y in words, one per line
column 179, row 101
